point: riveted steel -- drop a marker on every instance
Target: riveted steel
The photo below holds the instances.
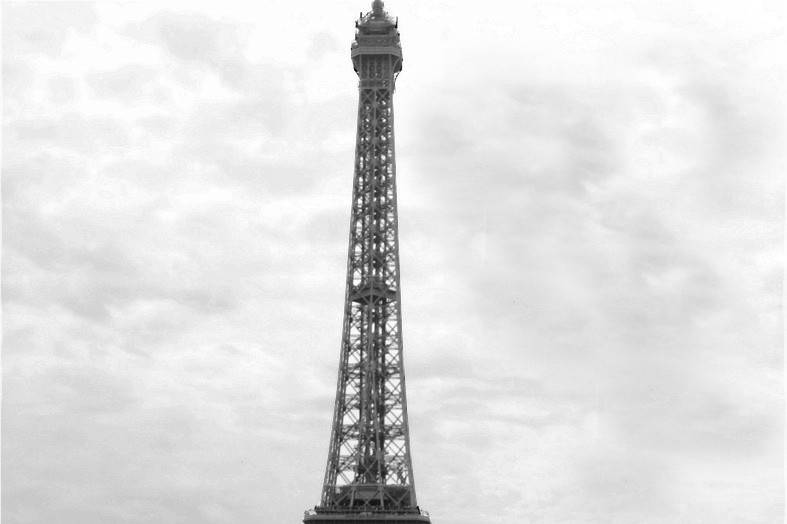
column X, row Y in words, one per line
column 369, row 474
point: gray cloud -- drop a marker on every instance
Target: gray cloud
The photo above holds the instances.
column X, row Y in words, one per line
column 591, row 228
column 198, row 39
column 42, row 27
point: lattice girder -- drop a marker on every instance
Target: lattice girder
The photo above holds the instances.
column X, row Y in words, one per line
column 369, row 463
column 369, row 474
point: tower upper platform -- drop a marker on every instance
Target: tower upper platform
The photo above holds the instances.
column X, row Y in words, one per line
column 377, row 34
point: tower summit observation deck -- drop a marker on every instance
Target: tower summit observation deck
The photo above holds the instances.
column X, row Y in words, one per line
column 369, row 474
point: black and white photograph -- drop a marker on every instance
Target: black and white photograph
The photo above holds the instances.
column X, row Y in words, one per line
column 401, row 261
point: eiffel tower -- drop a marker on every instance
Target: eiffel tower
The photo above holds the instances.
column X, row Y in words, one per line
column 369, row 476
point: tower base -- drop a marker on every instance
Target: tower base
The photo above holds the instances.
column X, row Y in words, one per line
column 313, row 517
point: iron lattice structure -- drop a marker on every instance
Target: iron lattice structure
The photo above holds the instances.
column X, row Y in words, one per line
column 369, row 476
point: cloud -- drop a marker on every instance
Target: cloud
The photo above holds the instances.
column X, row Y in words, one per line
column 198, row 40
column 38, row 27
column 591, row 226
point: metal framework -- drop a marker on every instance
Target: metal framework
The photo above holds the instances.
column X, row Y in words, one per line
column 369, row 475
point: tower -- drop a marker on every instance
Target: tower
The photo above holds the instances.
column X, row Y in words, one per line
column 369, row 475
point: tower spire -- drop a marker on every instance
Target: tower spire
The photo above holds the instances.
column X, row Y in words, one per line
column 369, row 473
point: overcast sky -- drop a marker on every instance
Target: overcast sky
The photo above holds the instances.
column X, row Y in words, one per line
column 591, row 206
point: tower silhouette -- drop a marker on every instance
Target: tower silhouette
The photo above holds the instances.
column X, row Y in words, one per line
column 369, row 475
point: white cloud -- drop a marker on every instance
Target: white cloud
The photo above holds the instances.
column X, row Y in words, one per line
column 591, row 226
